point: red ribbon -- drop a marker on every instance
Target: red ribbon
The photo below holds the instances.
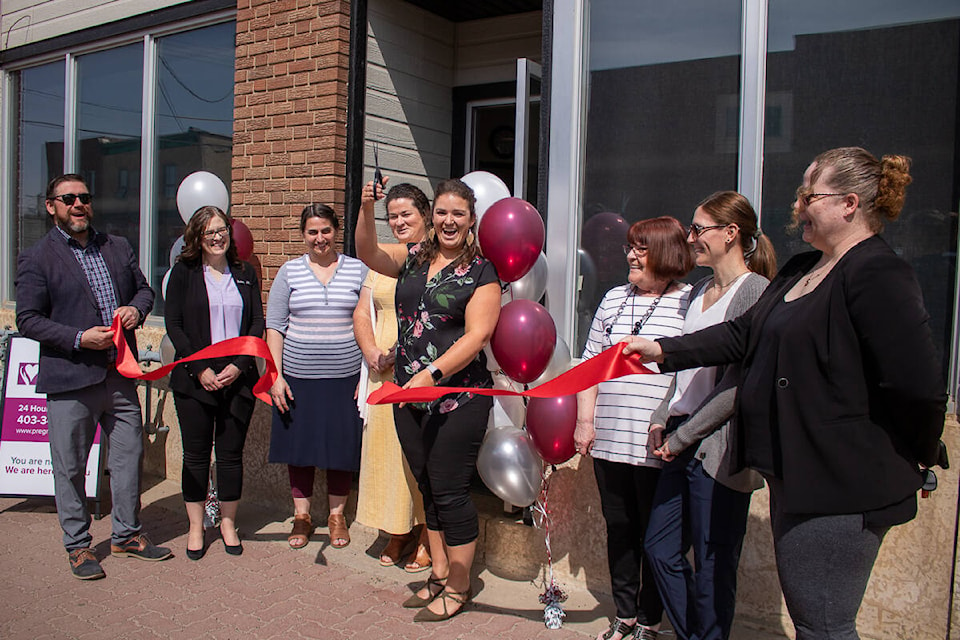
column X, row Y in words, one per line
column 606, row 365
column 243, row 346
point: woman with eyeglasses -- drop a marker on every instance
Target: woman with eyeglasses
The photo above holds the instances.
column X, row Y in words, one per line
column 700, row 501
column 613, row 418
column 310, row 335
column 212, row 296
column 841, row 400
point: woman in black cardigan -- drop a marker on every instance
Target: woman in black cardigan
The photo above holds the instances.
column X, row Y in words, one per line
column 841, row 398
column 212, row 296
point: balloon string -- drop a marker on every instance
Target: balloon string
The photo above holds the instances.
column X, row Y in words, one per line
column 552, row 596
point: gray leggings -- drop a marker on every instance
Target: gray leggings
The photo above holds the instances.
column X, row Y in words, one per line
column 824, row 563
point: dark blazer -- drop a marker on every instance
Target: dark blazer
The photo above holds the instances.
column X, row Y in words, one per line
column 55, row 301
column 187, row 316
column 860, row 400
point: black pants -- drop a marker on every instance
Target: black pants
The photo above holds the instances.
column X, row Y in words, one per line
column 203, row 426
column 441, row 449
column 626, row 497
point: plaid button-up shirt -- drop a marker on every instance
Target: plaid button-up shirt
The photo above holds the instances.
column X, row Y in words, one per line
column 94, row 267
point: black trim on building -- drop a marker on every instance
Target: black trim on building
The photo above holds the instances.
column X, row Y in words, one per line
column 356, row 121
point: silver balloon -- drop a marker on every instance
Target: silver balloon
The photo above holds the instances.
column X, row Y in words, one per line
column 176, row 249
column 510, row 466
column 559, row 363
column 508, row 411
column 492, row 364
column 532, row 286
column 167, row 352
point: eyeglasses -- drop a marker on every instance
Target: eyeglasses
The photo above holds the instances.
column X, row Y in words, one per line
column 697, row 229
column 640, row 250
column 69, row 198
column 215, row 233
column 807, row 198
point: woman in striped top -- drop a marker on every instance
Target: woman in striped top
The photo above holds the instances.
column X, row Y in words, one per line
column 310, row 334
column 613, row 418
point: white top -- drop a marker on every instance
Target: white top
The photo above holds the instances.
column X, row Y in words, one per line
column 693, row 385
column 624, row 405
column 316, row 319
column 226, row 305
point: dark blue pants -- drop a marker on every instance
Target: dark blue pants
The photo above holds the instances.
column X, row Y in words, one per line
column 692, row 509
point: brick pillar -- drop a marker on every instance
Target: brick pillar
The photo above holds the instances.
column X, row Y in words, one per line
column 290, row 115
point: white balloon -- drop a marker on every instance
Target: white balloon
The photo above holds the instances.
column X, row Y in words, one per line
column 177, row 248
column 508, row 411
column 167, row 352
column 532, row 286
column 559, row 363
column 201, row 189
column 487, row 188
column 163, row 284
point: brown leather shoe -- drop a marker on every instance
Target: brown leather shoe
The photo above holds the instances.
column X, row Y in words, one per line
column 84, row 564
column 301, row 532
column 339, row 534
column 139, row 546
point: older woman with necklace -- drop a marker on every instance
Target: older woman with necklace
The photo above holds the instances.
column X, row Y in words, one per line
column 613, row 417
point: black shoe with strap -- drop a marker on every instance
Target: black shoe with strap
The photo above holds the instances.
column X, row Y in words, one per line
column 619, row 626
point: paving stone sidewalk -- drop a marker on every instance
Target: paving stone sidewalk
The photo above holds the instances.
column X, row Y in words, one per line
column 271, row 591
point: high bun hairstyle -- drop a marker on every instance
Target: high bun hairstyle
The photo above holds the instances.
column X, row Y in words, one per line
column 880, row 184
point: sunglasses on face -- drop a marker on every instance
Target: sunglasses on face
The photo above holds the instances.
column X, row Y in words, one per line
column 215, row 233
column 69, row 198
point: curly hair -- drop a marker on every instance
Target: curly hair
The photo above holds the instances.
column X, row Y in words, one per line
column 880, row 184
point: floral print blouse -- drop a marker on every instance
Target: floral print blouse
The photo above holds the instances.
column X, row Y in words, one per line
column 431, row 317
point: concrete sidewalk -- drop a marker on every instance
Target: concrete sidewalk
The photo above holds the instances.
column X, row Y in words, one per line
column 271, row 591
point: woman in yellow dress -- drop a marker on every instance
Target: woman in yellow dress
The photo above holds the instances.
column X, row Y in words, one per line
column 388, row 498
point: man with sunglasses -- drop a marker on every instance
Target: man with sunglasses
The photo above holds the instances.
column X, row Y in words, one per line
column 70, row 287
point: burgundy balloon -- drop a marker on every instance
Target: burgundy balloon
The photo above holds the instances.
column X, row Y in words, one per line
column 242, row 239
column 511, row 236
column 550, row 423
column 603, row 236
column 524, row 339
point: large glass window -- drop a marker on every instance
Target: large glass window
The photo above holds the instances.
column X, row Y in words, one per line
column 39, row 120
column 110, row 88
column 882, row 76
column 194, row 123
column 662, row 124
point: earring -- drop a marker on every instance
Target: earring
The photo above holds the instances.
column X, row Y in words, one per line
column 431, row 234
column 470, row 238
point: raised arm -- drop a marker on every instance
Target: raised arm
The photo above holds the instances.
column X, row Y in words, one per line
column 387, row 259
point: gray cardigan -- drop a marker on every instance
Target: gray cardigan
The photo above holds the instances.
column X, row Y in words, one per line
column 709, row 426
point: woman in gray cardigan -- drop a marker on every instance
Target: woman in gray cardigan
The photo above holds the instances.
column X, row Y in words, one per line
column 699, row 499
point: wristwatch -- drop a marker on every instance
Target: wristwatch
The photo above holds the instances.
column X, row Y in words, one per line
column 435, row 372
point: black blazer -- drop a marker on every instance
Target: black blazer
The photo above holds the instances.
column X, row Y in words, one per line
column 857, row 403
column 187, row 316
column 55, row 301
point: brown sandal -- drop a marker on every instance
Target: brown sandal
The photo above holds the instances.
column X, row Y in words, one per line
column 420, row 561
column 337, row 524
column 394, row 552
column 301, row 532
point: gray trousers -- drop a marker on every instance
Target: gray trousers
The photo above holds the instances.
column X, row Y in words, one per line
column 72, row 418
column 824, row 563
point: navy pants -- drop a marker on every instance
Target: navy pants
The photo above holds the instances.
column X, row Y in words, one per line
column 692, row 509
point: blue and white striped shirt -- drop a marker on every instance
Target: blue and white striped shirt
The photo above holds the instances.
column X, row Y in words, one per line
column 316, row 320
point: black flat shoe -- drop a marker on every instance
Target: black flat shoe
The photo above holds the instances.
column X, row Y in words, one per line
column 196, row 554
column 233, row 549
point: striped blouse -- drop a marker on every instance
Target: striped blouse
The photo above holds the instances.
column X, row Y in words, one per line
column 316, row 320
column 624, row 405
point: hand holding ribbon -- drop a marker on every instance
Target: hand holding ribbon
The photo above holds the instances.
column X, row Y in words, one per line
column 606, row 365
column 243, row 346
